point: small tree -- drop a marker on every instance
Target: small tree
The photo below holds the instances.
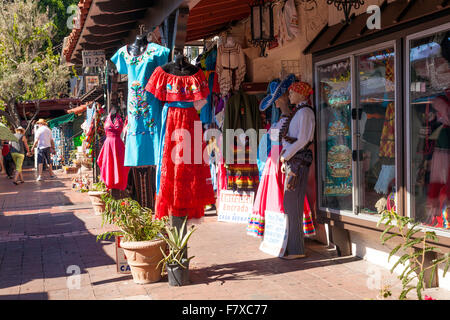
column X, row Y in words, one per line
column 29, row 69
column 413, row 247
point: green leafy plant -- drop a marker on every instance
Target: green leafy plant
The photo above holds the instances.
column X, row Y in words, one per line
column 135, row 222
column 177, row 241
column 99, row 186
column 413, row 247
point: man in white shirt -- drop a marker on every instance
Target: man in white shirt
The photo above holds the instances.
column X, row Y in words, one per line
column 45, row 146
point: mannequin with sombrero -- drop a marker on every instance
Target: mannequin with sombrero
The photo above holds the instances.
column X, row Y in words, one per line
column 45, row 147
column 272, row 191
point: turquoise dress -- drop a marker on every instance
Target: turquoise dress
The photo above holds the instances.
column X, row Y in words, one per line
column 144, row 110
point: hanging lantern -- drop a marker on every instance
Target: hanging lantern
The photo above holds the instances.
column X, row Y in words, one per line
column 346, row 6
column 261, row 24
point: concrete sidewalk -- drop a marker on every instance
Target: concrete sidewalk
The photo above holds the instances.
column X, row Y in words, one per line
column 45, row 228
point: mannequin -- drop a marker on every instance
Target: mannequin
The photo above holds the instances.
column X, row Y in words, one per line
column 182, row 195
column 139, row 45
column 296, row 135
column 180, row 67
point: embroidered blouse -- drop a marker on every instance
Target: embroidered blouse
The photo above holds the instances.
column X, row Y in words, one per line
column 230, row 68
column 167, row 87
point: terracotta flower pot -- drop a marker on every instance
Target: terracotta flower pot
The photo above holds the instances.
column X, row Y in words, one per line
column 143, row 258
column 97, row 202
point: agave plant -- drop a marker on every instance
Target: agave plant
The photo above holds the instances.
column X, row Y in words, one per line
column 177, row 245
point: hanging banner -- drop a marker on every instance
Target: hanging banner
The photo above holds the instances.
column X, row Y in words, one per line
column 235, row 207
column 121, row 259
column 275, row 234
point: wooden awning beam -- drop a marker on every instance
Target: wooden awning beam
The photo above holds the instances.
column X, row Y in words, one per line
column 117, row 19
column 123, row 6
column 110, row 30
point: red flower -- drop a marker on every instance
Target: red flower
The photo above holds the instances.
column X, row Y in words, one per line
column 429, row 298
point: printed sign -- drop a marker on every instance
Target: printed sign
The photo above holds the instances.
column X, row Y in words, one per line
column 91, row 82
column 93, row 58
column 275, row 234
column 121, row 259
column 235, row 206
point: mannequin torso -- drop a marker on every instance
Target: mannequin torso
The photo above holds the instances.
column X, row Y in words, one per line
column 180, row 67
column 139, row 46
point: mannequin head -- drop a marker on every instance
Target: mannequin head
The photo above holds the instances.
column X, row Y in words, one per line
column 299, row 92
column 282, row 103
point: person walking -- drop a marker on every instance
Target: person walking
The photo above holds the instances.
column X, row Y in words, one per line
column 18, row 154
column 45, row 146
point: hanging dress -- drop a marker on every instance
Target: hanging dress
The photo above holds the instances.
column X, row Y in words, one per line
column 111, row 158
column 183, row 180
column 144, row 110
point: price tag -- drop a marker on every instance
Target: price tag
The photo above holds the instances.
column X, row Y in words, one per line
column 93, row 58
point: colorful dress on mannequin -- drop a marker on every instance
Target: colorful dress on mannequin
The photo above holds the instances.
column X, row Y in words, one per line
column 144, row 110
column 270, row 194
column 111, row 158
column 184, row 184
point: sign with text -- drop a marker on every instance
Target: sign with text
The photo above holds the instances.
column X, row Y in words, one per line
column 93, row 58
column 235, row 206
column 121, row 259
column 275, row 234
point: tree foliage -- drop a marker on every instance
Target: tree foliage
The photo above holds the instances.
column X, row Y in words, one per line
column 29, row 69
column 60, row 12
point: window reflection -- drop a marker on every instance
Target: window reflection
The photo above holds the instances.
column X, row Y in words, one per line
column 430, row 129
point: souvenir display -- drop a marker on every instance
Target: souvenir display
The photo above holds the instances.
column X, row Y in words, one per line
column 184, row 186
column 230, row 66
column 111, row 158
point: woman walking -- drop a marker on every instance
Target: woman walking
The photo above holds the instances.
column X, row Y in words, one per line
column 18, row 154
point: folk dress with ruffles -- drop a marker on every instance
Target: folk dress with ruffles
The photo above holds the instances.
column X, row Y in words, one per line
column 184, row 185
column 111, row 158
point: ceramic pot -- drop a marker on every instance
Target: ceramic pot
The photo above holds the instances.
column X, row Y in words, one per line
column 143, row 258
column 97, row 202
column 177, row 275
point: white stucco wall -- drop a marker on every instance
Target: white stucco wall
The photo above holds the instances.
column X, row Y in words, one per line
column 369, row 248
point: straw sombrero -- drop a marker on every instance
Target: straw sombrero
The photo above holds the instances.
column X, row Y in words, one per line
column 41, row 121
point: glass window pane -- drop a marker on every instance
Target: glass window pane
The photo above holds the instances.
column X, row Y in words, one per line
column 376, row 128
column 430, row 129
column 335, row 145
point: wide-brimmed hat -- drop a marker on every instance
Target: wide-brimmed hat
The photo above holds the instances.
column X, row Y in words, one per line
column 277, row 89
column 41, row 121
column 20, row 129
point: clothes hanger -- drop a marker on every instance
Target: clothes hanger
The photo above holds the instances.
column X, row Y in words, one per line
column 139, row 45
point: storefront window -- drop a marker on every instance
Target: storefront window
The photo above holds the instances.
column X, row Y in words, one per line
column 335, row 135
column 376, row 131
column 429, row 116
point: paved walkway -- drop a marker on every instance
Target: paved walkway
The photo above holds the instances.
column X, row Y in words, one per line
column 45, row 228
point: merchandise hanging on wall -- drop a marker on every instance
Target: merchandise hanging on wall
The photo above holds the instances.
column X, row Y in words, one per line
column 230, row 66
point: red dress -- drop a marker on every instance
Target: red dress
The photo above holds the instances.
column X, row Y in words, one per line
column 185, row 186
column 111, row 157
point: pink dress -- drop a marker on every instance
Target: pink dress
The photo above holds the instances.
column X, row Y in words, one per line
column 111, row 157
column 270, row 197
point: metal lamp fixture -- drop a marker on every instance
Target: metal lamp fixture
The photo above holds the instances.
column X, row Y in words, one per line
column 262, row 24
column 346, row 6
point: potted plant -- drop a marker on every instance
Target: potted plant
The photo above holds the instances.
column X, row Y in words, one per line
column 175, row 259
column 96, row 194
column 140, row 237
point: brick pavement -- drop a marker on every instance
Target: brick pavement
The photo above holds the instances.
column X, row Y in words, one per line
column 45, row 228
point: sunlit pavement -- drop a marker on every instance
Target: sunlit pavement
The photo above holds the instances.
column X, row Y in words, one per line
column 48, row 233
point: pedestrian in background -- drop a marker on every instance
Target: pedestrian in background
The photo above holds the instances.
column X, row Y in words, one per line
column 18, row 154
column 45, row 147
